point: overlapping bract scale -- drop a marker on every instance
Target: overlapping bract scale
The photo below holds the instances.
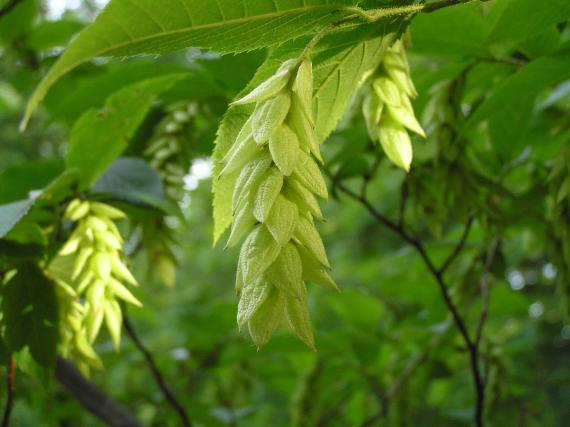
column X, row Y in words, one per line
column 91, row 295
column 387, row 108
column 275, row 202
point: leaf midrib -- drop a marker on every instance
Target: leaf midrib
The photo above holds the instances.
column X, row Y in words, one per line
column 221, row 23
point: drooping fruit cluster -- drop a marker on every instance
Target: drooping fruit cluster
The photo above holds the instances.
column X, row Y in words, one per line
column 388, row 109
column 169, row 145
column 92, row 291
column 275, row 204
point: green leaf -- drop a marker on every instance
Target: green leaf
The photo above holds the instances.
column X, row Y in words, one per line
column 522, row 19
column 30, row 312
column 132, row 180
column 51, row 34
column 460, row 30
column 99, row 136
column 12, row 213
column 147, row 26
column 17, row 181
column 519, row 89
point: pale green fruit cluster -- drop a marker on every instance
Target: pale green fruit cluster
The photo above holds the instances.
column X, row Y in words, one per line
column 275, row 204
column 388, row 109
column 169, row 144
column 95, row 284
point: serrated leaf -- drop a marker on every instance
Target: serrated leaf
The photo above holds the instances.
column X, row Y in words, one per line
column 282, row 219
column 286, row 273
column 29, row 305
column 266, row 192
column 147, row 26
column 284, row 147
column 267, row 318
column 309, row 237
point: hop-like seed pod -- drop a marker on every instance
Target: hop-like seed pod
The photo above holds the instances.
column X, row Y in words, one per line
column 97, row 278
column 275, row 203
column 387, row 108
column 168, row 149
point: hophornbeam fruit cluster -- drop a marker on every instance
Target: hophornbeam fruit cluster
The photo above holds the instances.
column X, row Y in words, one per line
column 167, row 151
column 387, row 108
column 92, row 291
column 275, row 205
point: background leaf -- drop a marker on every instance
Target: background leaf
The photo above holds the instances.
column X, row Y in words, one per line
column 99, row 136
column 146, row 26
column 522, row 19
column 29, row 305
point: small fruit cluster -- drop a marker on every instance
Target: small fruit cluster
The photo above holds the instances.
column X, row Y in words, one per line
column 168, row 145
column 92, row 292
column 387, row 108
column 275, row 203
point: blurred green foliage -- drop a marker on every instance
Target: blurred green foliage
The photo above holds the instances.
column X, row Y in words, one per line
column 494, row 85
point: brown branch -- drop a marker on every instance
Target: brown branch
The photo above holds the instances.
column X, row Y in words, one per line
column 158, row 377
column 439, row 278
column 459, row 247
column 11, row 389
column 8, row 7
column 92, row 397
column 484, row 286
column 413, row 364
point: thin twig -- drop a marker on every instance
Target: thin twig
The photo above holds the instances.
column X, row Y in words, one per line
column 158, row 377
column 413, row 364
column 459, row 247
column 11, row 389
column 438, row 275
column 8, row 7
column 484, row 286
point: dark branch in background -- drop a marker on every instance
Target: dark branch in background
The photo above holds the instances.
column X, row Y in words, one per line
column 484, row 286
column 11, row 388
column 93, row 398
column 414, row 362
column 158, row 377
column 8, row 7
column 438, row 274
